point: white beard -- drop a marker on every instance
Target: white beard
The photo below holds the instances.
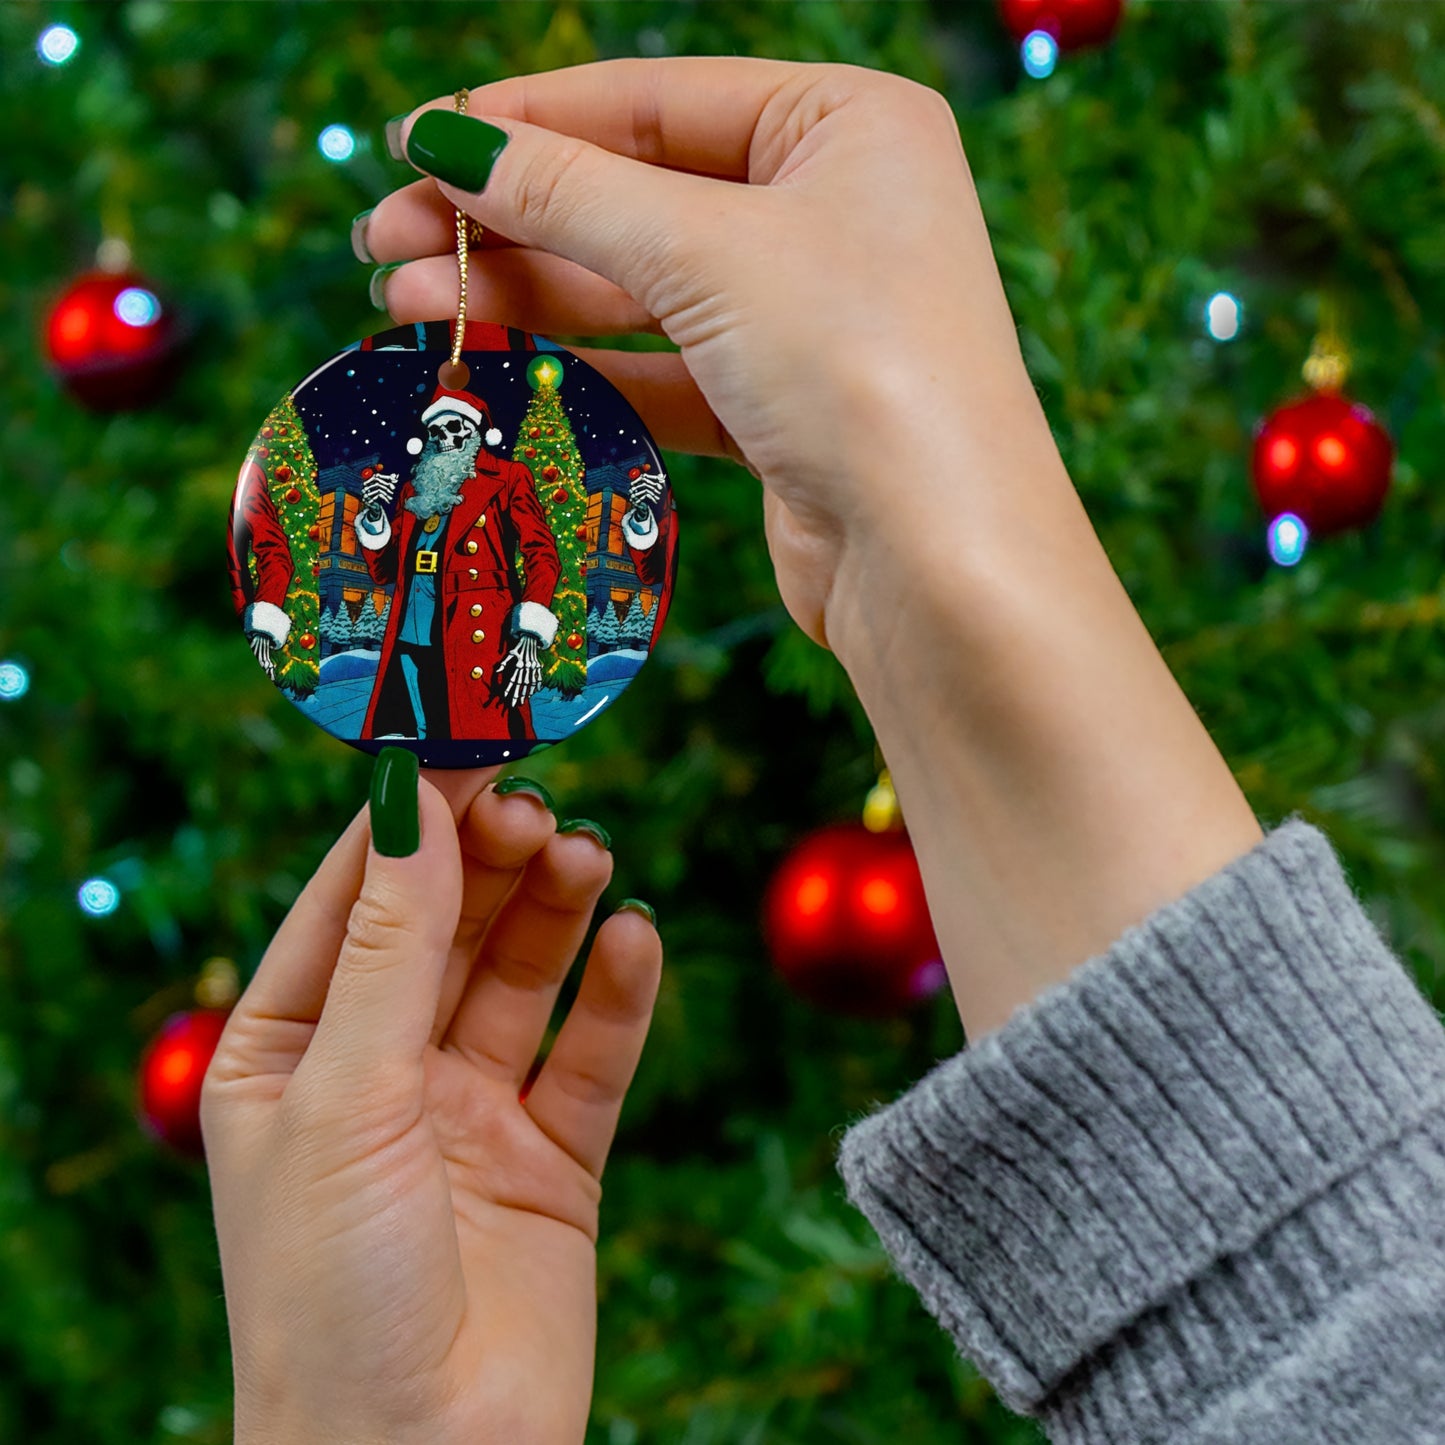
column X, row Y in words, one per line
column 437, row 478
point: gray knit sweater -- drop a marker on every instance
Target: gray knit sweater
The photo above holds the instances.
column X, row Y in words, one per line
column 1196, row 1192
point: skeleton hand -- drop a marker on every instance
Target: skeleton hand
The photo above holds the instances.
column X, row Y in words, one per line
column 261, row 646
column 526, row 675
column 646, row 490
column 378, row 489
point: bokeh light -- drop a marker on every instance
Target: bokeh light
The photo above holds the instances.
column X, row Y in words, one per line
column 138, row 307
column 98, row 897
column 336, row 143
column 1040, row 54
column 1223, row 316
column 1288, row 536
column 14, row 681
column 57, row 44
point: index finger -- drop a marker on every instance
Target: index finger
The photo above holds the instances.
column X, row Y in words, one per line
column 695, row 113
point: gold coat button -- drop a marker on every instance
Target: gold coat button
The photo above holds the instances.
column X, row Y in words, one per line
column 476, row 609
column 481, row 521
column 476, row 672
column 471, row 546
column 479, row 636
column 472, row 573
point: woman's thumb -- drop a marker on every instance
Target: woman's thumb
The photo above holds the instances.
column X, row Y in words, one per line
column 619, row 217
column 382, row 999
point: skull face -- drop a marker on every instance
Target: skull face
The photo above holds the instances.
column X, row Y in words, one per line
column 449, row 431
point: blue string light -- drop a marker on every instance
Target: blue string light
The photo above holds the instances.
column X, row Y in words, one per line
column 1040, row 53
column 1223, row 316
column 336, row 143
column 1288, row 536
column 98, row 897
column 14, row 681
column 137, row 307
column 57, row 44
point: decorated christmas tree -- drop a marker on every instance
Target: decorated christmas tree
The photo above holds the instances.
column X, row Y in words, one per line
column 284, row 456
column 547, row 446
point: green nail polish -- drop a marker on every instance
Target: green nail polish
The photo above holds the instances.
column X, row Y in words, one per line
column 377, row 289
column 393, row 137
column 636, row 905
column 586, row 825
column 455, row 148
column 359, row 248
column 529, row 786
column 395, row 811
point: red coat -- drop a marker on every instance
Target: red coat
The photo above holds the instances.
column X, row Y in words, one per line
column 655, row 565
column 256, row 527
column 477, row 590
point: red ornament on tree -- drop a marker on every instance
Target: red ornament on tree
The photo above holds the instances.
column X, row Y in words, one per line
column 581, row 529
column 550, row 473
column 534, row 431
column 847, row 923
column 292, row 495
column 531, row 451
column 284, row 473
column 560, row 495
column 308, row 640
column 314, row 532
column 171, row 1071
column 575, row 641
column 1073, row 23
column 1324, row 458
column 111, row 342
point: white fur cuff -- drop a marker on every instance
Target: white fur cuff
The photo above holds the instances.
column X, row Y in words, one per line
column 536, row 621
column 640, row 537
column 267, row 619
column 372, row 541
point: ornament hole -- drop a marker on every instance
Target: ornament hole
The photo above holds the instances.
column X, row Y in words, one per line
column 454, row 375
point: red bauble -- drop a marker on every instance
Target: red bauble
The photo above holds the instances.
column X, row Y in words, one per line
column 1073, row 23
column 314, row 532
column 560, row 495
column 266, row 431
column 171, row 1071
column 550, row 473
column 847, row 923
column 531, row 451
column 284, row 473
column 633, row 473
column 367, row 473
column 535, row 431
column 308, row 640
column 581, row 529
column 292, row 495
column 575, row 641
column 1324, row 458
column 111, row 342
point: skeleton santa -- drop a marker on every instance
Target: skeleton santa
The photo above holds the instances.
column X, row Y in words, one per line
column 461, row 656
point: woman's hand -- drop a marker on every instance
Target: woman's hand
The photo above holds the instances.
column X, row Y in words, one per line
column 809, row 236
column 407, row 1245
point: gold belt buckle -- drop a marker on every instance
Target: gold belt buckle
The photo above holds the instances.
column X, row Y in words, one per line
column 426, row 562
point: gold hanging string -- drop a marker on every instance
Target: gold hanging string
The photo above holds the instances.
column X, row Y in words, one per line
column 1328, row 364
column 454, row 373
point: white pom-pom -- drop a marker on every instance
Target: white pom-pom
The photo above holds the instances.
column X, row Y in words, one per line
column 414, row 445
column 494, row 437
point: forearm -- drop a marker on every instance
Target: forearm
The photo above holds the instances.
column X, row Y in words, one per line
column 1056, row 781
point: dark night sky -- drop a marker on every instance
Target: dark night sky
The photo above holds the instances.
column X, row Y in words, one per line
column 369, row 402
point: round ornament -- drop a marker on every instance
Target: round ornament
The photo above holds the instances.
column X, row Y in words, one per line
column 404, row 574
column 172, row 1070
column 1324, row 458
column 847, row 923
column 111, row 341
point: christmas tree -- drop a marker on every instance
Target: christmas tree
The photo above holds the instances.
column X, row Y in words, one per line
column 284, row 456
column 547, row 446
column 1270, row 152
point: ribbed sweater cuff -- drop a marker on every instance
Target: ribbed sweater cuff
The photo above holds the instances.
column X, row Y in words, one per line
column 1124, row 1142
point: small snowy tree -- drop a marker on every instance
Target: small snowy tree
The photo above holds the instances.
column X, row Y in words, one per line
column 607, row 631
column 636, row 629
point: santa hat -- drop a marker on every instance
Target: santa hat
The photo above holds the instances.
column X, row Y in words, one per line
column 462, row 403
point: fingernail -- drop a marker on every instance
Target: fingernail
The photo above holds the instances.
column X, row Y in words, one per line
column 393, row 137
column 359, row 248
column 377, row 289
column 531, row 788
column 636, row 905
column 395, row 810
column 455, row 148
column 586, row 825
